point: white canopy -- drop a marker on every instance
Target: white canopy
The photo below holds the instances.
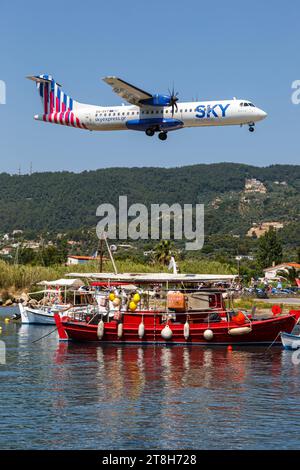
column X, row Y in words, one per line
column 156, row 277
column 62, row 283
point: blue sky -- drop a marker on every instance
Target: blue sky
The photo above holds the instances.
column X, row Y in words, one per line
column 211, row 50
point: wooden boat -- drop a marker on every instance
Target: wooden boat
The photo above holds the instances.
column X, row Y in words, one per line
column 190, row 315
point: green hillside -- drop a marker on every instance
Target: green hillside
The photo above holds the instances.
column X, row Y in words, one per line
column 64, row 201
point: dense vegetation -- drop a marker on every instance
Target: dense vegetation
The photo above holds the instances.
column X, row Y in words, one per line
column 64, row 201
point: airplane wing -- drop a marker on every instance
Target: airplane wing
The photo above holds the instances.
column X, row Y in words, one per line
column 129, row 92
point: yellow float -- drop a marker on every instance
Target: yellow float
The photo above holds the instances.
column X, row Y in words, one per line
column 132, row 306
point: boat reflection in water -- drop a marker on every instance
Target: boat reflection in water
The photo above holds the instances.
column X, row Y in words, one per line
column 115, row 396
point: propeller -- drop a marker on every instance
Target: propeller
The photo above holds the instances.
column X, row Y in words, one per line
column 173, row 100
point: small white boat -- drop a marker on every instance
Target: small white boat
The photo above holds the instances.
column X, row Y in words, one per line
column 54, row 301
column 290, row 341
column 41, row 315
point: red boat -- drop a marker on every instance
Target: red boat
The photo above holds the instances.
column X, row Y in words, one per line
column 190, row 316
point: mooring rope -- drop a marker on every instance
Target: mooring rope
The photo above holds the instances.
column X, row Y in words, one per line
column 270, row 345
column 48, row 334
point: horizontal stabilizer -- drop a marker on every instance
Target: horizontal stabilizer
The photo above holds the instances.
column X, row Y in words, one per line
column 37, row 79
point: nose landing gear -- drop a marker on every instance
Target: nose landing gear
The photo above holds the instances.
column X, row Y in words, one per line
column 251, row 127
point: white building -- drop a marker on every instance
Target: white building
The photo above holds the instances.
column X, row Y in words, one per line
column 271, row 273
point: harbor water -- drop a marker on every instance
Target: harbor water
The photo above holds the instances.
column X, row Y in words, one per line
column 81, row 396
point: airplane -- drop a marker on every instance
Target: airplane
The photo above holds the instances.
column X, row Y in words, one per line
column 150, row 113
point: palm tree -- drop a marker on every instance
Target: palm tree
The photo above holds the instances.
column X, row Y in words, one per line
column 290, row 274
column 163, row 252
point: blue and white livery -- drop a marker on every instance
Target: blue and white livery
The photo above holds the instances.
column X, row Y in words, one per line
column 149, row 113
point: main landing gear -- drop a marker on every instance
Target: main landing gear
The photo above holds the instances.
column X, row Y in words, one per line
column 162, row 135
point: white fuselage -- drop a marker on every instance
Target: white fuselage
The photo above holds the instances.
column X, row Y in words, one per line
column 189, row 114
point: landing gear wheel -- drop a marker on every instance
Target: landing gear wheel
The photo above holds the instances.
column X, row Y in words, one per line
column 162, row 136
column 150, row 132
column 251, row 129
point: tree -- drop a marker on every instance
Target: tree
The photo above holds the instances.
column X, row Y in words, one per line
column 290, row 274
column 269, row 249
column 163, row 252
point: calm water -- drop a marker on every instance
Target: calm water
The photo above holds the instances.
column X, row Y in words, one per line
column 70, row 396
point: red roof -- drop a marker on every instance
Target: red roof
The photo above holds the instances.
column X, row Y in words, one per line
column 284, row 265
column 83, row 257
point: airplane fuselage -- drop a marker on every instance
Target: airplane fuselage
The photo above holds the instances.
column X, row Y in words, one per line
column 188, row 114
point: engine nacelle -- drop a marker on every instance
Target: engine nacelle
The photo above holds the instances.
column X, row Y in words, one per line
column 157, row 100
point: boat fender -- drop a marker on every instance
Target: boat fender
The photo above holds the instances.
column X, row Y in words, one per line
column 166, row 332
column 120, row 330
column 208, row 335
column 100, row 329
column 239, row 331
column 186, row 330
column 141, row 330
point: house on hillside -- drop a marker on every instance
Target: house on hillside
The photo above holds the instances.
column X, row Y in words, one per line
column 76, row 259
column 253, row 185
column 271, row 273
column 6, row 251
column 259, row 230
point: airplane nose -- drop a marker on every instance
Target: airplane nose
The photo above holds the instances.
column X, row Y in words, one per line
column 262, row 114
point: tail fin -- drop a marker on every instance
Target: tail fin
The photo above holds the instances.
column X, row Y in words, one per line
column 54, row 100
column 58, row 107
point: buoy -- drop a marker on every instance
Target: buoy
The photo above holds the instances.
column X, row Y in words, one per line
column 0, row 329
column 239, row 331
column 166, row 332
column 100, row 329
column 112, row 296
column 120, row 330
column 186, row 330
column 136, row 298
column 6, row 320
column 229, row 348
column 239, row 318
column 208, row 335
column 141, row 330
column 132, row 306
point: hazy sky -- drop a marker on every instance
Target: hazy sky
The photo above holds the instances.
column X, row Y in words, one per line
column 210, row 50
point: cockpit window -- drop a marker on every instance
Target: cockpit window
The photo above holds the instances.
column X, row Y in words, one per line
column 247, row 104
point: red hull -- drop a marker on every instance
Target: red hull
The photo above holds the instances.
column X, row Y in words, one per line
column 262, row 331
